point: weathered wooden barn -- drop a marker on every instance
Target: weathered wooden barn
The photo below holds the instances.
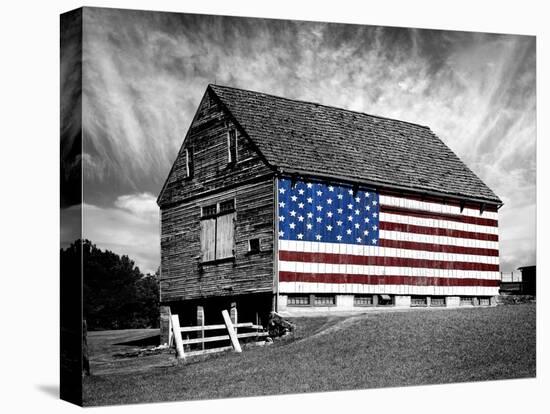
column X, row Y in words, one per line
column 278, row 204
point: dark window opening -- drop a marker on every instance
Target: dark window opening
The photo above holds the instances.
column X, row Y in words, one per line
column 254, row 245
column 189, row 162
column 419, row 301
column 385, row 300
column 484, row 301
column 466, row 300
column 232, row 145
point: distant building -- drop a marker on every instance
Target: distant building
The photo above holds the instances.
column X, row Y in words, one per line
column 285, row 205
column 519, row 282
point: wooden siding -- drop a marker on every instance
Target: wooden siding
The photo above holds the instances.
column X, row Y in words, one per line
column 185, row 276
column 190, row 268
column 207, row 137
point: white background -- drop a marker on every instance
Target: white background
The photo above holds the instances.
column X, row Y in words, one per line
column 30, row 203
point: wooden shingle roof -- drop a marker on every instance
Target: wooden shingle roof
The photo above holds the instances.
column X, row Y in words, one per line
column 305, row 137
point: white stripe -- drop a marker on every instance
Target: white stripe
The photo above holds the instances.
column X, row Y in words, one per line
column 307, row 287
column 427, row 238
column 434, row 207
column 444, row 224
column 291, row 266
column 359, row 250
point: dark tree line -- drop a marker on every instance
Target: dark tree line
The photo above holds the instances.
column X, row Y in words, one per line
column 116, row 294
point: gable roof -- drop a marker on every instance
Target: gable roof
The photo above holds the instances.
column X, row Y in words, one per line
column 304, row 137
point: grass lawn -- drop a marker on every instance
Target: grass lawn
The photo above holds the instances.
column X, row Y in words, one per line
column 339, row 353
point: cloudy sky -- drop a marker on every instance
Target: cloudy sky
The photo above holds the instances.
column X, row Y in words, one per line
column 144, row 74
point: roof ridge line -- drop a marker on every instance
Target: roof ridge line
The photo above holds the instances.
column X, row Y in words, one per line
column 320, row 104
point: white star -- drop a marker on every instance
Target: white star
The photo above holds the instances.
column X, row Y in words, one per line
column 292, row 225
column 374, row 228
column 366, row 220
column 340, row 210
column 338, row 237
column 339, row 222
column 366, row 232
column 281, row 233
column 300, row 205
column 329, row 200
column 367, row 195
column 309, row 214
column 318, row 237
column 309, row 226
column 350, row 206
column 374, row 202
column 350, row 192
column 348, row 231
column 319, row 219
column 281, row 190
column 373, row 241
column 329, row 227
column 300, row 218
column 350, row 218
column 310, row 200
column 329, row 214
column 340, row 196
column 367, row 208
column 357, row 212
column 358, row 239
column 356, row 225
column 282, row 204
column 309, row 185
column 300, row 236
column 319, row 193
column 293, row 213
column 282, row 218
column 294, row 198
column 375, row 214
column 301, row 191
column 319, row 208
column 330, row 188
column 357, row 199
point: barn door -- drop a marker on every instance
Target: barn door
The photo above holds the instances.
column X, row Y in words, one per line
column 208, row 239
column 225, row 239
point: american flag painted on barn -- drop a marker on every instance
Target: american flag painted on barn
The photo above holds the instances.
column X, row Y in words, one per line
column 337, row 239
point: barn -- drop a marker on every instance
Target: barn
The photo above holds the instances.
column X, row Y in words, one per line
column 285, row 205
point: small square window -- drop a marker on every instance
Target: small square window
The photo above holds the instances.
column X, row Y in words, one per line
column 484, row 301
column 437, row 301
column 363, row 300
column 466, row 300
column 385, row 300
column 419, row 301
column 298, row 300
column 209, row 210
column 254, row 245
column 325, row 300
column 227, row 206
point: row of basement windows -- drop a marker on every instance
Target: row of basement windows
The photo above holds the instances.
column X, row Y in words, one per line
column 378, row 300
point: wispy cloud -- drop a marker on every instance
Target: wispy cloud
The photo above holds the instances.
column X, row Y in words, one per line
column 145, row 72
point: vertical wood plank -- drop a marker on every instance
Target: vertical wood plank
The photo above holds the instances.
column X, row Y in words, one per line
column 231, row 331
column 177, row 336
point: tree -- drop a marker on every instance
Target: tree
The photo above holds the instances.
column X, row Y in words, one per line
column 116, row 294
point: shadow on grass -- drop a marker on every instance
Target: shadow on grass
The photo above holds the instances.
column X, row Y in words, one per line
column 148, row 341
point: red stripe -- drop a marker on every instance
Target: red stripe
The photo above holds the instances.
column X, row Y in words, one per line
column 334, row 258
column 384, row 280
column 440, row 248
column 438, row 216
column 436, row 231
